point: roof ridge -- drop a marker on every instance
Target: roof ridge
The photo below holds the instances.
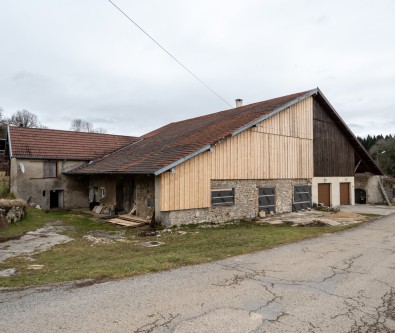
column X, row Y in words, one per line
column 23, row 128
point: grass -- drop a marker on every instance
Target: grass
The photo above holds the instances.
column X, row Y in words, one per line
column 82, row 259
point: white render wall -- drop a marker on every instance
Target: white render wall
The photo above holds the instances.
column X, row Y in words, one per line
column 335, row 188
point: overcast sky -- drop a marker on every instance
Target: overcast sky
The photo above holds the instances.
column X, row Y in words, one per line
column 67, row 59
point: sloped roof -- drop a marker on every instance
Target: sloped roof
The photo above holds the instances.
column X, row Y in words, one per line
column 174, row 143
column 39, row 143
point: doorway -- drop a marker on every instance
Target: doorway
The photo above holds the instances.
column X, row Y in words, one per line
column 360, row 196
column 56, row 199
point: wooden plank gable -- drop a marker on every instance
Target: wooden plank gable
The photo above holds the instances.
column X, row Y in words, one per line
column 279, row 147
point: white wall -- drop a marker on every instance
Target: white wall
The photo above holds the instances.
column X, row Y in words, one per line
column 335, row 188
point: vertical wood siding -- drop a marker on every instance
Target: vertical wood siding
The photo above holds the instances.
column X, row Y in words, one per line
column 333, row 153
column 278, row 148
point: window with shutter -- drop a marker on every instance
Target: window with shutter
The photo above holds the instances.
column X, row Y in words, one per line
column 302, row 197
column 267, row 199
column 223, row 197
column 50, row 169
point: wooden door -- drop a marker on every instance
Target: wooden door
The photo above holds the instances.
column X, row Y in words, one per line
column 344, row 193
column 324, row 194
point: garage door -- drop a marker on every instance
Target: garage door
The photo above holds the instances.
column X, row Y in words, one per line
column 344, row 193
column 324, row 194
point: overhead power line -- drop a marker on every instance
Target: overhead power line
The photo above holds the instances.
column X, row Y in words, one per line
column 169, row 54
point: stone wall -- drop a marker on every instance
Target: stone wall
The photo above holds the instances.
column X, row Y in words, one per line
column 370, row 183
column 11, row 211
column 145, row 196
column 246, row 202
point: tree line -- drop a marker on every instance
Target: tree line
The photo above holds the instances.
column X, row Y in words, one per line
column 382, row 150
column 25, row 118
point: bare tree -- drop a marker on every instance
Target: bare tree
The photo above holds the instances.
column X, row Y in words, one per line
column 25, row 118
column 79, row 125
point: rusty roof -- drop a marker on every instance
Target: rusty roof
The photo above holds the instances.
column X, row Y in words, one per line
column 176, row 142
column 40, row 143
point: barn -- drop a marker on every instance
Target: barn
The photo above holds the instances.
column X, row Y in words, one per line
column 279, row 155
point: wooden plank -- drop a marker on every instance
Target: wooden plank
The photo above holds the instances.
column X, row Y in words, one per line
column 132, row 218
column 126, row 223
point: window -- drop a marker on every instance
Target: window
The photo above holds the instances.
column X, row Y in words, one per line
column 50, row 169
column 102, row 192
column 267, row 199
column 223, row 197
column 302, row 197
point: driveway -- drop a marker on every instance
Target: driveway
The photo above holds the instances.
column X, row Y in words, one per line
column 342, row 282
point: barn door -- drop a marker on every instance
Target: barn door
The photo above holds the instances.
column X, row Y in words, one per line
column 344, row 193
column 324, row 194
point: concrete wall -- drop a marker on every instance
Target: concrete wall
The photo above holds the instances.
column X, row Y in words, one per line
column 246, row 202
column 335, row 188
column 27, row 183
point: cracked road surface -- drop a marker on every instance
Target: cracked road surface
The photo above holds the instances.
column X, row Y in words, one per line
column 342, row 282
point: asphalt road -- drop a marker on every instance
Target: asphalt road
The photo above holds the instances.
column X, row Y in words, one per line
column 336, row 283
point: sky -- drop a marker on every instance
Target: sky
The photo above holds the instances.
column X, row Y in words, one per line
column 69, row 59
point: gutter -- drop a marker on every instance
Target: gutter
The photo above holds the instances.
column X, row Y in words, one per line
column 9, row 140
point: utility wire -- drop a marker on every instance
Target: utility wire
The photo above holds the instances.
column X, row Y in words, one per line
column 174, row 58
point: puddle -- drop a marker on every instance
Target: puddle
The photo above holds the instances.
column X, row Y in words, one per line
column 151, row 244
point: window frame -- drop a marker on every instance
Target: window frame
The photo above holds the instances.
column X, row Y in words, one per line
column 265, row 207
column 54, row 167
column 302, row 204
column 223, row 203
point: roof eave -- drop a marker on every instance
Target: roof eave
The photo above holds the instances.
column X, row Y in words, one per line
column 238, row 131
column 353, row 137
column 182, row 160
column 274, row 112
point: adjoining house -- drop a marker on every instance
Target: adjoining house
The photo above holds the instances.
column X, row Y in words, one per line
column 39, row 159
column 275, row 156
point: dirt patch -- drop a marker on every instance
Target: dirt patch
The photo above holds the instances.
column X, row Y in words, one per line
column 346, row 215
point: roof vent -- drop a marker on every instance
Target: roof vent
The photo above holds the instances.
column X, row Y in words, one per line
column 239, row 102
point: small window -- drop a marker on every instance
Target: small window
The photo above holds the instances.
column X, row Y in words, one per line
column 267, row 199
column 223, row 197
column 50, row 169
column 302, row 197
column 102, row 192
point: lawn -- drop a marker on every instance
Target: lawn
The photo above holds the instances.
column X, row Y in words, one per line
column 188, row 245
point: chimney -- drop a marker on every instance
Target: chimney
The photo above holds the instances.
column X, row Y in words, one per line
column 239, row 102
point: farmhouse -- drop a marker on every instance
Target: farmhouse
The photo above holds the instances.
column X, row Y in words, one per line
column 275, row 156
column 40, row 157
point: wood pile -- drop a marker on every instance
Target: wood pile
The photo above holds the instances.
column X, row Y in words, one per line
column 129, row 221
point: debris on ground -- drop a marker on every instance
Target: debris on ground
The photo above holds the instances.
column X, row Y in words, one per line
column 102, row 237
column 7, row 272
column 314, row 218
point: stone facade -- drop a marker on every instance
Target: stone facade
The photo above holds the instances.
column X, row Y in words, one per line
column 123, row 191
column 370, row 183
column 11, row 211
column 145, row 196
column 246, row 202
